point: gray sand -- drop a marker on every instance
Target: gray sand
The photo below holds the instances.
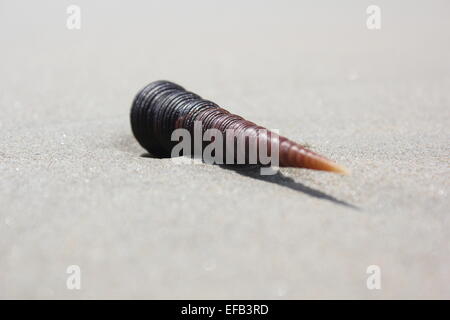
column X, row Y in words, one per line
column 76, row 190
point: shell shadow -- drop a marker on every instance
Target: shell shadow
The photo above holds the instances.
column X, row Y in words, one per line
column 253, row 171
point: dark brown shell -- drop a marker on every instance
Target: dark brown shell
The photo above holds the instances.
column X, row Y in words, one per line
column 163, row 106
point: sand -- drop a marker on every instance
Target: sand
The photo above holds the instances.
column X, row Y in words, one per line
column 77, row 189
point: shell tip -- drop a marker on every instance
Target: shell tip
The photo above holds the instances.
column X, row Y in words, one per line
column 340, row 169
